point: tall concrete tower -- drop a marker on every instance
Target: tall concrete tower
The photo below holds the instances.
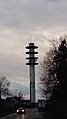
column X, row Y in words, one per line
column 32, row 62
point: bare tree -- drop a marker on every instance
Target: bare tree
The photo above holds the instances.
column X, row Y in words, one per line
column 4, row 86
column 48, row 76
column 54, row 70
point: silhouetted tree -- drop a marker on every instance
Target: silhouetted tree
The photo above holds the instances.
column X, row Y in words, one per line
column 60, row 90
column 54, row 71
column 4, row 87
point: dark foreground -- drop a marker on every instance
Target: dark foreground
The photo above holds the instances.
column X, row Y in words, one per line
column 55, row 110
column 29, row 114
column 57, row 113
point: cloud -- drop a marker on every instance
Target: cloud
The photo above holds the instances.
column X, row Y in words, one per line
column 27, row 14
column 40, row 19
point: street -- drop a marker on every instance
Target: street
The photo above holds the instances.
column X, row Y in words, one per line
column 29, row 114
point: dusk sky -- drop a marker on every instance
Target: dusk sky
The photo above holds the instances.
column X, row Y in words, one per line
column 24, row 21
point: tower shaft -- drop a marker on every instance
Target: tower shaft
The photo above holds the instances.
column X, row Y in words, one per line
column 32, row 83
column 32, row 62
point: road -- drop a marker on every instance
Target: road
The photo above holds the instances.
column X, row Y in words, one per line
column 29, row 114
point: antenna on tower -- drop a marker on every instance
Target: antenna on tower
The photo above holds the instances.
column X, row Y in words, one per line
column 29, row 39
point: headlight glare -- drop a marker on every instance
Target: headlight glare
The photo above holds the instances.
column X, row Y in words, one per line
column 22, row 110
column 17, row 110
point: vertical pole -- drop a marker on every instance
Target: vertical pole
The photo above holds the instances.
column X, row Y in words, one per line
column 32, row 75
column 32, row 83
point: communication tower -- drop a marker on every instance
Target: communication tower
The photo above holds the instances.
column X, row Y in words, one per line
column 32, row 61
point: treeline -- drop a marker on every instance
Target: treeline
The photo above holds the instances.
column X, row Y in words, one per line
column 9, row 105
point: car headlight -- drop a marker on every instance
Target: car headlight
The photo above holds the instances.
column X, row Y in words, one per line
column 22, row 110
column 17, row 110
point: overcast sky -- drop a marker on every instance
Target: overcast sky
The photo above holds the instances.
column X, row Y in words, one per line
column 24, row 21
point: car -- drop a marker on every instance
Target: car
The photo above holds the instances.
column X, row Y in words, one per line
column 21, row 110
